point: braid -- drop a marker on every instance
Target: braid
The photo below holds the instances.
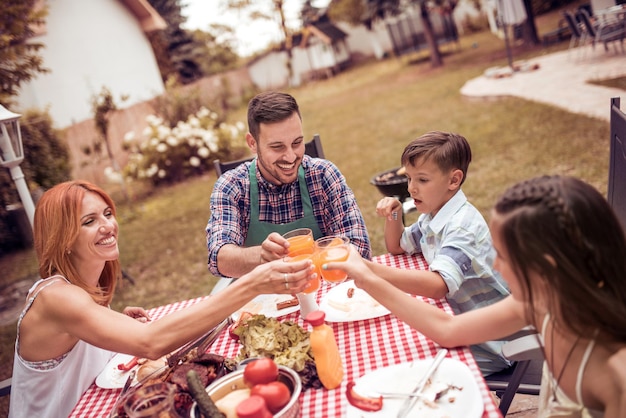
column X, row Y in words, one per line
column 526, row 193
column 544, row 192
column 568, row 221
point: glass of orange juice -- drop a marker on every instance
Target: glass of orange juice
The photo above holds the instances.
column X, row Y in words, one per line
column 300, row 241
column 314, row 284
column 329, row 249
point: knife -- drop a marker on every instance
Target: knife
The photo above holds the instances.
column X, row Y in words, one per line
column 204, row 345
column 410, row 402
column 129, row 381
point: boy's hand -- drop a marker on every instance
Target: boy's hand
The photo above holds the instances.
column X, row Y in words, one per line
column 387, row 207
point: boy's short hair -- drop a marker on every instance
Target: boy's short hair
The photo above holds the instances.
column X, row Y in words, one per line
column 448, row 150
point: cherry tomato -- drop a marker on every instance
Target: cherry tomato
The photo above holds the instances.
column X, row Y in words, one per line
column 276, row 395
column 263, row 370
column 361, row 402
column 243, row 317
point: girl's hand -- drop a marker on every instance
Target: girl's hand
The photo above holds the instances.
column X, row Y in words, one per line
column 387, row 207
column 355, row 267
column 138, row 313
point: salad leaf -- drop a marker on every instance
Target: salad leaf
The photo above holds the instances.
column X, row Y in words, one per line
column 285, row 342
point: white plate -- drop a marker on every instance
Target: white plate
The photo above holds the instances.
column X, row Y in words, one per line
column 340, row 308
column 266, row 305
column 113, row 378
column 457, row 403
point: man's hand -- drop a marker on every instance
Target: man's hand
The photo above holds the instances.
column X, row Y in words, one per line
column 273, row 248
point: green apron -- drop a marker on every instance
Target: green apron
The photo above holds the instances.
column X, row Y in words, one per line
column 258, row 231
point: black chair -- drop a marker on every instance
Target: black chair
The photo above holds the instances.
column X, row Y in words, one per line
column 617, row 162
column 5, row 387
column 313, row 148
column 576, row 31
column 524, row 375
column 603, row 33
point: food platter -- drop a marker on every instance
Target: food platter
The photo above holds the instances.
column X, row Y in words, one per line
column 462, row 400
column 113, row 378
column 339, row 307
column 266, row 305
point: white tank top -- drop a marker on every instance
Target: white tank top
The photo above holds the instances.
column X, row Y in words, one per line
column 53, row 392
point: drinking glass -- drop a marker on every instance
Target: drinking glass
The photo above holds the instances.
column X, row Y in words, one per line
column 314, row 284
column 300, row 241
column 329, row 249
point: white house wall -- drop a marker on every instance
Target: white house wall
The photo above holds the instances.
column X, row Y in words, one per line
column 326, row 56
column 270, row 71
column 359, row 38
column 88, row 45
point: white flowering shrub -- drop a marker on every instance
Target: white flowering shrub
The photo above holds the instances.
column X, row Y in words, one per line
column 169, row 155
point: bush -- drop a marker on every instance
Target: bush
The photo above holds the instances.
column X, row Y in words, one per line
column 168, row 155
column 46, row 163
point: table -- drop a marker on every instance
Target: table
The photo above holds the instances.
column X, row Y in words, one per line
column 364, row 345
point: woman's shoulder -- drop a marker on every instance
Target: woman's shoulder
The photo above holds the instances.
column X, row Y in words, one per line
column 63, row 295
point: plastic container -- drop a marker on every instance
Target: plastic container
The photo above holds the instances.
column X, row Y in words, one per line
column 324, row 346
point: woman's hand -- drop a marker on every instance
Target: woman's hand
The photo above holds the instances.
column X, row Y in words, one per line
column 279, row 276
column 138, row 313
column 387, row 206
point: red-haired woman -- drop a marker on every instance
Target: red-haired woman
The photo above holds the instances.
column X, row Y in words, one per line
column 67, row 333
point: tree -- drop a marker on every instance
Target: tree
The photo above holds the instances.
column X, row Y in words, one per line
column 218, row 49
column 435, row 55
column 103, row 105
column 531, row 28
column 178, row 54
column 20, row 61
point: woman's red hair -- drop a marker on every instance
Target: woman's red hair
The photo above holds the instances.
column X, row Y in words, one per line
column 56, row 228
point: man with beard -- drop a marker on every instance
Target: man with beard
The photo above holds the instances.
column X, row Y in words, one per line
column 280, row 190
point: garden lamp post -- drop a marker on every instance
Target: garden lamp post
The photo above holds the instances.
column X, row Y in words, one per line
column 12, row 155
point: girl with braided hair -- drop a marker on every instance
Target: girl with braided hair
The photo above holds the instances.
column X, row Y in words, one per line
column 562, row 251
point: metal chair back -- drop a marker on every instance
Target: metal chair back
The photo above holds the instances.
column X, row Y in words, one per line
column 313, row 148
column 617, row 162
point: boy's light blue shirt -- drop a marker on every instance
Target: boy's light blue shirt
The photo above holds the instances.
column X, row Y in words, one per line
column 457, row 244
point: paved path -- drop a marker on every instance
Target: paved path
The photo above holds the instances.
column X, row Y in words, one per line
column 562, row 81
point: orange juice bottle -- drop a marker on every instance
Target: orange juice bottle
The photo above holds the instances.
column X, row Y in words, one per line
column 325, row 351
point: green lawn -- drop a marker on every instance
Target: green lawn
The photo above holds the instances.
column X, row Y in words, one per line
column 365, row 117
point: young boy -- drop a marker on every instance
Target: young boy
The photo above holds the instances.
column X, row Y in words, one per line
column 450, row 232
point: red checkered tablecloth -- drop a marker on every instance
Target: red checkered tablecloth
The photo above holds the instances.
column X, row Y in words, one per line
column 364, row 345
